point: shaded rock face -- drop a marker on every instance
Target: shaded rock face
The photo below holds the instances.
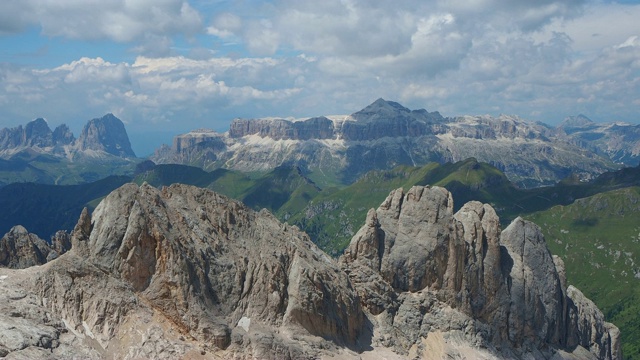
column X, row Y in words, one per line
column 19, row 249
column 106, row 134
column 420, row 268
column 62, row 135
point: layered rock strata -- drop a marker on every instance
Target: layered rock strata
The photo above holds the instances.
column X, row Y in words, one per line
column 386, row 134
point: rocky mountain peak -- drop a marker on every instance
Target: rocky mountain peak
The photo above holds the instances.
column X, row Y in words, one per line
column 579, row 121
column 380, row 110
column 37, row 133
column 221, row 278
column 20, row 249
column 432, row 271
column 576, row 122
column 62, row 135
column 106, row 134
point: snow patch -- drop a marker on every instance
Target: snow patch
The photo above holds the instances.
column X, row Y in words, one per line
column 244, row 323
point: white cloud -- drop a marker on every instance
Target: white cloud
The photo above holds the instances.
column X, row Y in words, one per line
column 148, row 22
column 149, row 90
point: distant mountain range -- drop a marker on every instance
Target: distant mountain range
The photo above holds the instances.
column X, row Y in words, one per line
column 99, row 137
column 35, row 153
column 331, row 150
column 340, row 149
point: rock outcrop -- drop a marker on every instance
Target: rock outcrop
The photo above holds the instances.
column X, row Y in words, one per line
column 182, row 272
column 106, row 134
column 422, row 270
column 200, row 272
column 20, row 249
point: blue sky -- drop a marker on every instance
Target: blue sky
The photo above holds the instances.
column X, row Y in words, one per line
column 169, row 66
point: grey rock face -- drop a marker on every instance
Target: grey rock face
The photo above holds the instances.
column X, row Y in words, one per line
column 421, row 269
column 106, row 134
column 201, row 264
column 19, row 249
column 62, row 135
column 35, row 134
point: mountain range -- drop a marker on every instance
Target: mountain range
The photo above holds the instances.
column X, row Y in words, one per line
column 100, row 136
column 339, row 149
column 35, row 153
column 331, row 150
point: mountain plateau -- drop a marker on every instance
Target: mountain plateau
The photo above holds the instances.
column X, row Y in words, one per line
column 340, row 149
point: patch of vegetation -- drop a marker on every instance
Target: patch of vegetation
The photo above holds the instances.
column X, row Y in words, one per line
column 598, row 238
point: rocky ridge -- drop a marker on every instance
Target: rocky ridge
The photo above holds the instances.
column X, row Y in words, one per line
column 182, row 272
column 386, row 134
column 105, row 135
column 421, row 270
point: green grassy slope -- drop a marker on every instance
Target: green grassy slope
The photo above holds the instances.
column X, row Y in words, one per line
column 283, row 191
column 28, row 166
column 230, row 183
column 599, row 239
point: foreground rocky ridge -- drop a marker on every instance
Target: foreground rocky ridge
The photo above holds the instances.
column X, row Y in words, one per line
column 386, row 134
column 183, row 272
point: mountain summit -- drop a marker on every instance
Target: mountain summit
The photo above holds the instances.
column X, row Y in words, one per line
column 380, row 110
column 106, row 134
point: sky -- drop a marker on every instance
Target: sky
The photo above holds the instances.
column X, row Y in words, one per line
column 166, row 67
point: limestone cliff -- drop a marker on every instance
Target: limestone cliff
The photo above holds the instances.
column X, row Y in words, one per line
column 422, row 270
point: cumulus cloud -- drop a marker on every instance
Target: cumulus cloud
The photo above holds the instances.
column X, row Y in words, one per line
column 147, row 91
column 142, row 21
